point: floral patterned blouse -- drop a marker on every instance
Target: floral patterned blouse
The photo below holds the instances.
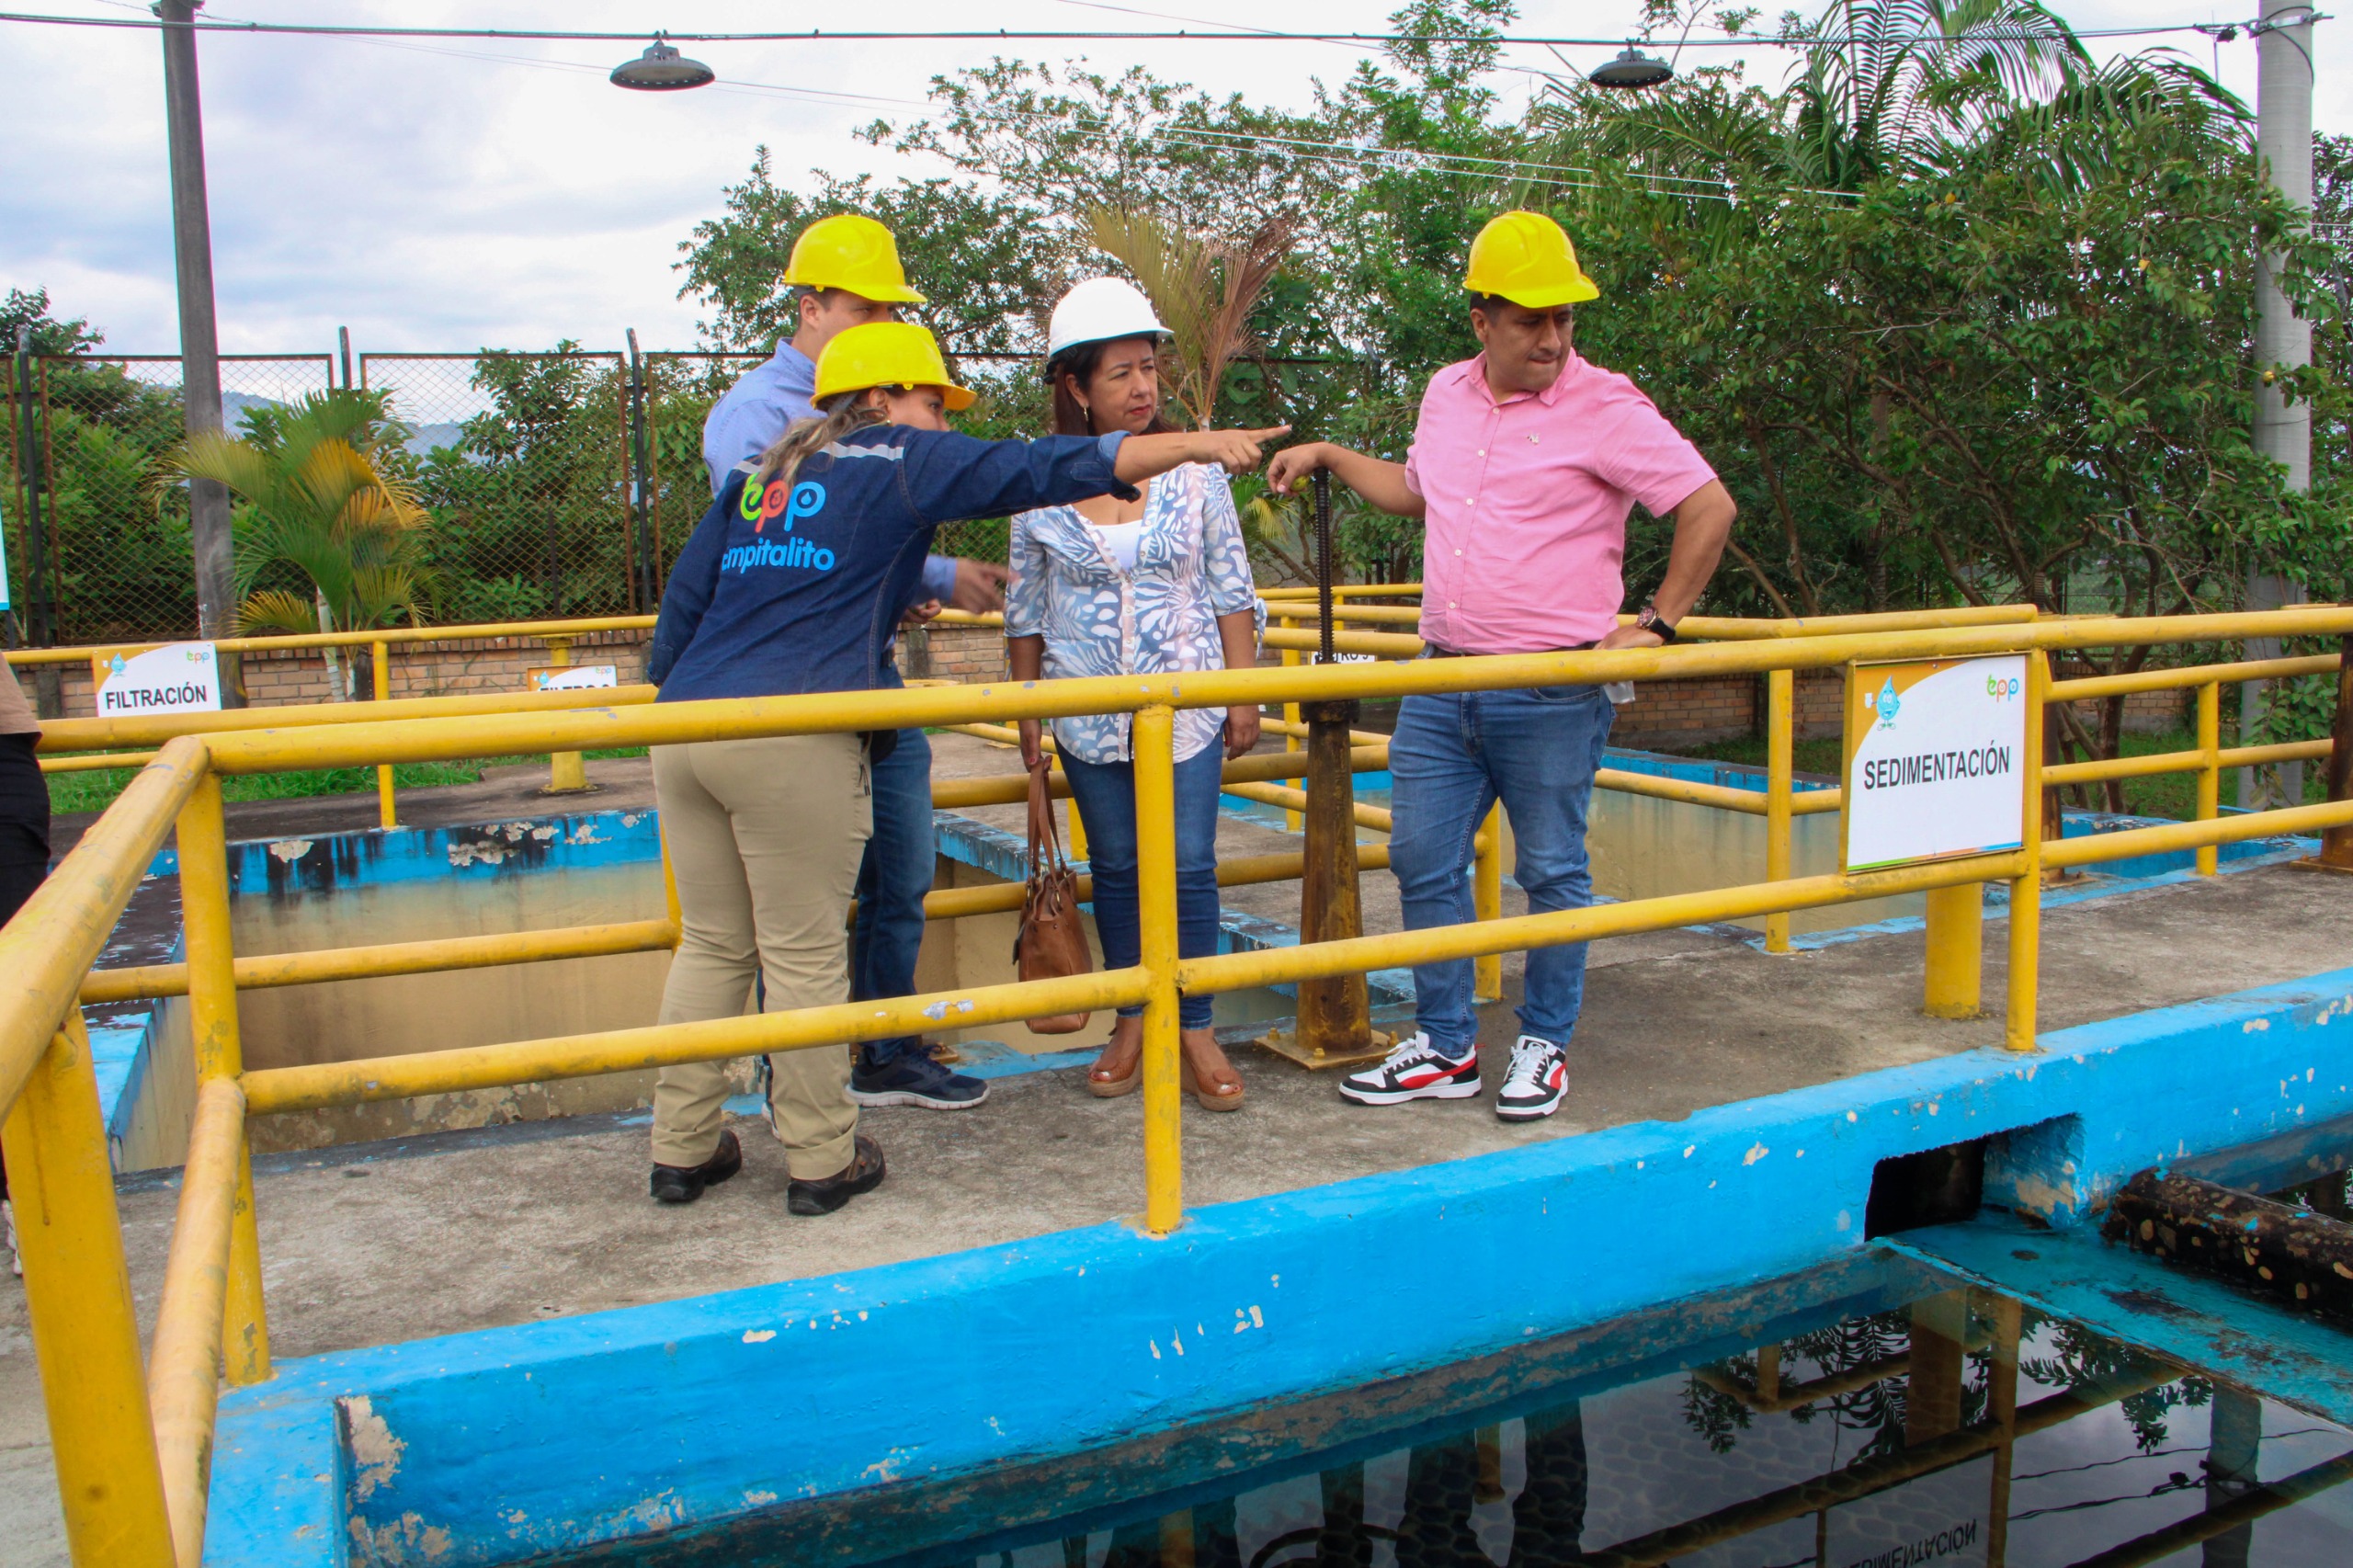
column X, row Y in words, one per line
column 1191, row 567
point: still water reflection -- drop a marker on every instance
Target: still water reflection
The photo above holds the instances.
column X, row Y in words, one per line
column 1962, row 1430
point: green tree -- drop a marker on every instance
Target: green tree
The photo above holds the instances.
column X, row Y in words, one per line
column 312, row 498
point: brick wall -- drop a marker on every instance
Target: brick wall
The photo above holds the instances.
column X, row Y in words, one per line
column 437, row 669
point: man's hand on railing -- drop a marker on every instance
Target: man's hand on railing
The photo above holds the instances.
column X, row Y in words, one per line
column 918, row 614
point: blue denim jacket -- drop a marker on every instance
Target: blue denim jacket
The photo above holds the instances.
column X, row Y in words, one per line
column 796, row 588
column 761, row 406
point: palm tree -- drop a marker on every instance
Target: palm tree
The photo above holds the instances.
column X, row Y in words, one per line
column 313, row 494
column 1204, row 290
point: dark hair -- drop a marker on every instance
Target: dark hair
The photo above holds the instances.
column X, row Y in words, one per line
column 1494, row 305
column 1082, row 360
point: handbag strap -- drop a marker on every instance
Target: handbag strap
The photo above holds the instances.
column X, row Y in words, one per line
column 1045, row 837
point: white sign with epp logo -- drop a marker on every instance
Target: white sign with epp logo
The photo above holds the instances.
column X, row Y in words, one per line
column 183, row 677
column 1936, row 759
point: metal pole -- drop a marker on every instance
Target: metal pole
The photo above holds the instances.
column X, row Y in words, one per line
column 200, row 343
column 2283, row 431
column 36, row 578
column 646, row 594
column 343, row 350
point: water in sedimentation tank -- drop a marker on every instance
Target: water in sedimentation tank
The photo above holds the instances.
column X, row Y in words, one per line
column 1870, row 1440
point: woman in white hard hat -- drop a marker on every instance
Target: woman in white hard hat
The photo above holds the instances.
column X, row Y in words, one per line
column 764, row 835
column 1150, row 585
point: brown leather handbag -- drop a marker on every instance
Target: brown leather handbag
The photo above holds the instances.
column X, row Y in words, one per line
column 1053, row 940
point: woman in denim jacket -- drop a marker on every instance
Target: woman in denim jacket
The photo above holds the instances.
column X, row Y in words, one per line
column 1157, row 584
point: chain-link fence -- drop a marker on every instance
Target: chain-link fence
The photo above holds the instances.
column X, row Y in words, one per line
column 523, row 460
column 98, row 541
column 559, row 483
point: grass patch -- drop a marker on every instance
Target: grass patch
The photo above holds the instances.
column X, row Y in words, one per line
column 96, row 790
column 2172, row 795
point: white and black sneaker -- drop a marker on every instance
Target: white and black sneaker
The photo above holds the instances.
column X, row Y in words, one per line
column 1416, row 1070
column 1538, row 1078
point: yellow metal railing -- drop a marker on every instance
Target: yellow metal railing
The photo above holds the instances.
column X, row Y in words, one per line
column 565, row 770
column 131, row 1437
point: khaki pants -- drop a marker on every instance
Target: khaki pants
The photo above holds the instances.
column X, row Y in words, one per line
column 764, row 837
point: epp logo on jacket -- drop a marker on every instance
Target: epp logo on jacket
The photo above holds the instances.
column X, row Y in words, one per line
column 805, row 499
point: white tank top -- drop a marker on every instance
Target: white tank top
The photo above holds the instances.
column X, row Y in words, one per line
column 1122, row 540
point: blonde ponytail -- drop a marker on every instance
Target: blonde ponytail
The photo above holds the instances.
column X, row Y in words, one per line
column 836, row 417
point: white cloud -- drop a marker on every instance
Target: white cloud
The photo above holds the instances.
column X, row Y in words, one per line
column 433, row 199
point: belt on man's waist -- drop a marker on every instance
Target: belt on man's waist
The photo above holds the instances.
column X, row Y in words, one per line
column 1433, row 651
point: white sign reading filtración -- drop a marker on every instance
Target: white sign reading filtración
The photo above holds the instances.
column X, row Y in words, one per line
column 1935, row 752
column 184, row 677
column 574, row 677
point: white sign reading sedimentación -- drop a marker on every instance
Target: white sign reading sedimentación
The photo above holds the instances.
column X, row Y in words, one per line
column 1935, row 754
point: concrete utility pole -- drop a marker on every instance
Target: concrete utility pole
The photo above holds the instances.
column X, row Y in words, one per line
column 2283, row 432
column 200, row 343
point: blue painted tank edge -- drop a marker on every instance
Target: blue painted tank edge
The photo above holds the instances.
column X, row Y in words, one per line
column 1465, row 1257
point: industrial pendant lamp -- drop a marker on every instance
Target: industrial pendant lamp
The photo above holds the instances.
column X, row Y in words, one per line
column 1632, row 68
column 661, row 69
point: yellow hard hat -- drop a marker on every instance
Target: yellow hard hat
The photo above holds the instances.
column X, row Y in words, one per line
column 1528, row 259
column 851, row 251
column 885, row 354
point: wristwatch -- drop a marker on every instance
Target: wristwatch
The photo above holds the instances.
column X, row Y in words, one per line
column 1651, row 620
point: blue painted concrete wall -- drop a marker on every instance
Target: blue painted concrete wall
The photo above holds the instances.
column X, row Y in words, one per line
column 486, row 1447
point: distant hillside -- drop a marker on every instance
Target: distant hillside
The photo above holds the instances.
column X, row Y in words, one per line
column 421, row 440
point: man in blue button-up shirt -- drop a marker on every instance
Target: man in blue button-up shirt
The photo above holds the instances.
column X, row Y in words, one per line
column 847, row 271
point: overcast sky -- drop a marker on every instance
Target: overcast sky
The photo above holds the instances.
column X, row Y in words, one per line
column 494, row 194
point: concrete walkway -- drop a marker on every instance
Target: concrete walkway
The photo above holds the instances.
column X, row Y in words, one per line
column 375, row 1243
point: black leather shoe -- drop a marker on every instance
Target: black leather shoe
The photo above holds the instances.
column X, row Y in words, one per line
column 683, row 1184
column 829, row 1193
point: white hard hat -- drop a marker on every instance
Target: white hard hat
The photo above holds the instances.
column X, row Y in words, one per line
column 1099, row 311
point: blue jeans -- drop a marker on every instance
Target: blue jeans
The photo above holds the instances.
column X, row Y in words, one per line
column 892, row 881
column 1105, row 794
column 1452, row 759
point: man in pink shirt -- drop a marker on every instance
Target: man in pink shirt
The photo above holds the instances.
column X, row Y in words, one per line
column 1524, row 463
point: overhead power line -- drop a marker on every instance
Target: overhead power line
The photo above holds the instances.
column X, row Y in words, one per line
column 1007, row 35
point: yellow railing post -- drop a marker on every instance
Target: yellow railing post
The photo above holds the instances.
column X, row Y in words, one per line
column 567, row 774
column 220, row 1053
column 1956, row 951
column 1153, row 748
column 1488, row 901
column 1293, row 822
column 2026, row 889
column 1780, row 742
column 385, row 814
column 2210, row 776
column 86, row 1332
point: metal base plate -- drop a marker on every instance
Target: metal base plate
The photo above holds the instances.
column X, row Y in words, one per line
column 1283, row 1043
column 2313, row 863
column 584, row 790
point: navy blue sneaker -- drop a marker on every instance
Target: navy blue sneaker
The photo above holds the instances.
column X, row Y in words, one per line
column 915, row 1080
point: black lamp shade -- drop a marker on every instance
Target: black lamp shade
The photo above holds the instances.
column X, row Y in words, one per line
column 661, row 69
column 1632, row 68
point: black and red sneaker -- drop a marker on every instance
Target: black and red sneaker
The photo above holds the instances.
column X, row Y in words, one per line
column 1538, row 1078
column 1416, row 1070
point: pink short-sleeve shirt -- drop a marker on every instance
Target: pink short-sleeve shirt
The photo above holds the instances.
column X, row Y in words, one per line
column 1527, row 504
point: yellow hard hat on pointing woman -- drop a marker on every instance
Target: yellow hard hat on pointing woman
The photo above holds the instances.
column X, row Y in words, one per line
column 851, row 251
column 1528, row 259
column 886, row 354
